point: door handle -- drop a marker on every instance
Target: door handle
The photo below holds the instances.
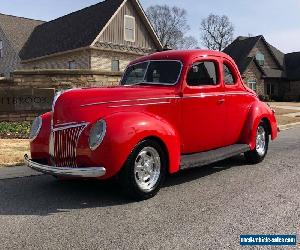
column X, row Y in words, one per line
column 221, row 101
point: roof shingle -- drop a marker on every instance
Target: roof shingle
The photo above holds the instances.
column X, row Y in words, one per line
column 17, row 29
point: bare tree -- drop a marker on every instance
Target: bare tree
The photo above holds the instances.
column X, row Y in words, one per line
column 188, row 42
column 216, row 32
column 170, row 24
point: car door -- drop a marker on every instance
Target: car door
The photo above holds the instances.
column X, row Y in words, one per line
column 237, row 103
column 203, row 110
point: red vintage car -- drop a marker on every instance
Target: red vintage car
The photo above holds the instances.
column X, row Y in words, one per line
column 173, row 110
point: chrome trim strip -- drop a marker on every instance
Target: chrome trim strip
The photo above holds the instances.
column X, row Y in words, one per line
column 201, row 95
column 131, row 100
column 75, row 125
column 38, row 130
column 94, row 172
column 139, row 104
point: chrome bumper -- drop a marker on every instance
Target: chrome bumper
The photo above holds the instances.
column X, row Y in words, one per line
column 67, row 172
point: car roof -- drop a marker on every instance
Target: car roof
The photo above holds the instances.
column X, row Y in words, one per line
column 184, row 56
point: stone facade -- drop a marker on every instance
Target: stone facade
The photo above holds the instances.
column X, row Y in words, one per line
column 269, row 59
column 253, row 74
column 88, row 59
column 102, row 60
column 81, row 60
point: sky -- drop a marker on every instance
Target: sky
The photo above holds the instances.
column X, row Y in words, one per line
column 277, row 20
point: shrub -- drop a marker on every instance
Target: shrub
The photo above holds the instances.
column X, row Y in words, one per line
column 18, row 130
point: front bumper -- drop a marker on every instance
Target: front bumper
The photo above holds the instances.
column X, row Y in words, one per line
column 66, row 172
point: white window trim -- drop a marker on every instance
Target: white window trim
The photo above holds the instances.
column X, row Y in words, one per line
column 251, row 83
column 134, row 29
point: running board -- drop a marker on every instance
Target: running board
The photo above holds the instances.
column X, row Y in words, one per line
column 206, row 158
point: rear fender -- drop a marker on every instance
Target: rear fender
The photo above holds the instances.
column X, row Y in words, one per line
column 258, row 112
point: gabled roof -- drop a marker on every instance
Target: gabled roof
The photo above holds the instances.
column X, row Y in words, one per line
column 241, row 47
column 292, row 62
column 17, row 29
column 76, row 30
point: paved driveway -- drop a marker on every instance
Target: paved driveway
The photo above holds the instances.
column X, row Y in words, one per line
column 205, row 208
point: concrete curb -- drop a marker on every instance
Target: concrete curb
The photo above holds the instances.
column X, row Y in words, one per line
column 288, row 126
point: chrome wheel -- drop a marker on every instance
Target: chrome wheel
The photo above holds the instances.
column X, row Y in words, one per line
column 261, row 141
column 147, row 168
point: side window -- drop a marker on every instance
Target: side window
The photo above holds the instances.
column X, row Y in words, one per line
column 228, row 75
column 202, row 73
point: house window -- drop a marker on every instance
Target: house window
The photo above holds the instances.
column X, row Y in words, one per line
column 1, row 48
column 72, row 65
column 115, row 65
column 129, row 28
column 252, row 84
column 260, row 58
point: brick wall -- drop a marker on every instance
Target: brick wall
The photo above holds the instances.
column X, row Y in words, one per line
column 66, row 78
column 58, row 79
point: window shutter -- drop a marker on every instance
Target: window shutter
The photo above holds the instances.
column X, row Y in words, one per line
column 129, row 28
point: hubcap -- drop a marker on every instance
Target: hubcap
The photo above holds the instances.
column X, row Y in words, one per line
column 261, row 141
column 147, row 168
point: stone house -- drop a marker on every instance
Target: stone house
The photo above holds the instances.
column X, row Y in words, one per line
column 103, row 37
column 265, row 69
column 14, row 33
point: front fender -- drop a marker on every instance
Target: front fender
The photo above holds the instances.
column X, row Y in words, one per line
column 39, row 147
column 258, row 111
column 124, row 131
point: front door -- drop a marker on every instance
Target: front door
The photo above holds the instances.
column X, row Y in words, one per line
column 203, row 112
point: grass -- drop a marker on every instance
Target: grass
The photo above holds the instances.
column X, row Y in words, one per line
column 12, row 151
column 14, row 130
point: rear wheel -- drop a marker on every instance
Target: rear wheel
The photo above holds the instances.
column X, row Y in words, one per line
column 144, row 171
column 261, row 146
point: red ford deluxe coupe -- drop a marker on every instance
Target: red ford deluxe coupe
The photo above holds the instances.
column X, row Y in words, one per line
column 173, row 110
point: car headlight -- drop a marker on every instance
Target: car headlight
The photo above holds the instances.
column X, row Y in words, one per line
column 97, row 134
column 35, row 128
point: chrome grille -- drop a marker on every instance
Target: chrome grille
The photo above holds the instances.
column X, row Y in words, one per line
column 63, row 144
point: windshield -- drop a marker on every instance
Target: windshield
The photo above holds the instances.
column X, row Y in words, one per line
column 153, row 72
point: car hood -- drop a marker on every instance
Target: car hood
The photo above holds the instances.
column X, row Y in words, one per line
column 88, row 105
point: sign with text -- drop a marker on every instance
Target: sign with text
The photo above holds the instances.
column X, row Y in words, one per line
column 26, row 99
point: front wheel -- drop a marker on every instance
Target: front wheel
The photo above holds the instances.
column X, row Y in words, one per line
column 144, row 170
column 261, row 147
